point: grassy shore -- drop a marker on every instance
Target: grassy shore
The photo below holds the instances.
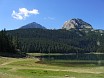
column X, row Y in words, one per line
column 34, row 68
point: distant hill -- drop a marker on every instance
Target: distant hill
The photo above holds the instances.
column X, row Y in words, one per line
column 32, row 25
column 76, row 24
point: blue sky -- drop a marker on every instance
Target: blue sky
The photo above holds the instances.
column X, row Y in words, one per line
column 50, row 13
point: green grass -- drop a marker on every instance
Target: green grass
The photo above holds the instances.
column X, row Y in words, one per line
column 45, row 73
column 33, row 68
column 34, row 73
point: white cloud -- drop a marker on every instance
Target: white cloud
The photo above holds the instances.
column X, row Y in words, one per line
column 23, row 13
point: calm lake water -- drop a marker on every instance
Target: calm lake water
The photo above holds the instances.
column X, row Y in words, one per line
column 73, row 57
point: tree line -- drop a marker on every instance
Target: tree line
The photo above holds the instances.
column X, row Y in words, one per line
column 59, row 41
column 8, row 45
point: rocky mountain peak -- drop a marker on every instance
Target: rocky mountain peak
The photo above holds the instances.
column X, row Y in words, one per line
column 76, row 23
column 32, row 25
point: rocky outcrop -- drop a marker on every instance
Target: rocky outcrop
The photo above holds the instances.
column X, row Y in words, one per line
column 76, row 24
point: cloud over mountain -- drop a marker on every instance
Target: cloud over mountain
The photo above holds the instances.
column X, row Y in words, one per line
column 24, row 13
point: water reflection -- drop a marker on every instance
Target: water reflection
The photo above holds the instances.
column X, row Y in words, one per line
column 73, row 57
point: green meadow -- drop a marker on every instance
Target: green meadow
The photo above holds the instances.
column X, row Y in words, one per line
column 35, row 68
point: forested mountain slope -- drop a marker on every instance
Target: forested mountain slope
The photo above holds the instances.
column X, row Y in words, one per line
column 59, row 41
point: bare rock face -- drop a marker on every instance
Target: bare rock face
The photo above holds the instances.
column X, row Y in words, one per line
column 76, row 24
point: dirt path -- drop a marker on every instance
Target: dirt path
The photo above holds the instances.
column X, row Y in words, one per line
column 7, row 63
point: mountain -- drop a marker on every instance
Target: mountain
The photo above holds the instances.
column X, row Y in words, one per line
column 81, row 38
column 32, row 25
column 76, row 24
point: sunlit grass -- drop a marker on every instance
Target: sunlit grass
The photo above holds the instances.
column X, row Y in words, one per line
column 34, row 68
